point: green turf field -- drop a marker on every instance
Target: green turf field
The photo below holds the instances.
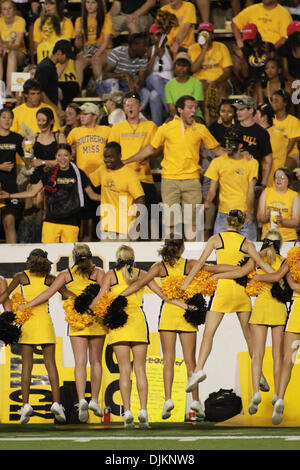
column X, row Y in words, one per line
column 161, row 436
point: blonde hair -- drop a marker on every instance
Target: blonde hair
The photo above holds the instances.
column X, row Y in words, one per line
column 82, row 257
column 236, row 219
column 269, row 253
column 125, row 261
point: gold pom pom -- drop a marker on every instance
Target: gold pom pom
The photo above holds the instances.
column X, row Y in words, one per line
column 77, row 320
column 22, row 314
column 171, row 287
column 293, row 260
column 101, row 307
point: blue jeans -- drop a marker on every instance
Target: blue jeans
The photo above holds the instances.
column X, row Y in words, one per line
column 248, row 230
column 156, row 85
column 113, row 84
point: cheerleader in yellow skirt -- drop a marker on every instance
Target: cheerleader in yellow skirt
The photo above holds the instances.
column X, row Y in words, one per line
column 172, row 321
column 229, row 297
column 267, row 312
column 37, row 330
column 291, row 331
column 87, row 343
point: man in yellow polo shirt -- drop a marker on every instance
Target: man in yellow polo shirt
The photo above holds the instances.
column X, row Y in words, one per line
column 181, row 139
column 271, row 19
column 235, row 175
column 120, row 190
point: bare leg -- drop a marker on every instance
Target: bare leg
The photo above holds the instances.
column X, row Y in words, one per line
column 212, row 322
column 122, row 351
column 95, row 357
column 27, row 363
column 49, row 359
column 290, row 347
column 80, row 347
column 244, row 322
column 168, row 342
column 259, row 335
column 9, row 225
column 188, row 344
column 277, row 351
column 139, row 351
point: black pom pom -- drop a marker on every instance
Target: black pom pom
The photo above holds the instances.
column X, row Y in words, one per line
column 242, row 281
column 8, row 317
column 82, row 301
column 282, row 295
column 116, row 316
column 196, row 317
column 9, row 333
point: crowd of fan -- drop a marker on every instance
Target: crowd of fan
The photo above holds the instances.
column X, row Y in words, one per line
column 85, row 91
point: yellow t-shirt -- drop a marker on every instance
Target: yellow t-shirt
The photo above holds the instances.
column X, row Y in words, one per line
column 278, row 144
column 215, row 60
column 290, row 128
column 25, row 123
column 132, row 139
column 185, row 14
column 66, row 30
column 119, row 189
column 234, row 177
column 182, row 148
column 271, row 24
column 107, row 28
column 8, row 34
column 44, row 50
column 284, row 204
column 89, row 144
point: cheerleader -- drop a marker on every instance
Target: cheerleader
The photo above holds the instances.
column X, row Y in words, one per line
column 231, row 248
column 87, row 343
column 37, row 330
column 172, row 321
column 291, row 330
column 267, row 312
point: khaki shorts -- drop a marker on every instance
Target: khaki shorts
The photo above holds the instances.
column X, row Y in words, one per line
column 59, row 233
column 186, row 193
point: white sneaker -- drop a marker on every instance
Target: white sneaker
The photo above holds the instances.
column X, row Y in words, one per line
column 255, row 401
column 58, row 412
column 197, row 407
column 83, row 413
column 128, row 420
column 278, row 411
column 263, row 384
column 167, row 408
column 143, row 419
column 194, row 380
column 274, row 399
column 26, row 412
column 94, row 406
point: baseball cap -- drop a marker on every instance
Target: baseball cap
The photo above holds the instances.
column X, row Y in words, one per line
column 249, row 31
column 295, row 170
column 91, row 108
column 154, row 29
column 293, row 27
column 244, row 101
column 65, row 47
column 206, row 26
column 183, row 55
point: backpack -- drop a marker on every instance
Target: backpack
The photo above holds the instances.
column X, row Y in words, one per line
column 222, row 405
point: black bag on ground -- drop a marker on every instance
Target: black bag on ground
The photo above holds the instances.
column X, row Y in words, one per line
column 222, row 405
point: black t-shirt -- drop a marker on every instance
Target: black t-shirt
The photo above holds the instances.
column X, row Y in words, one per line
column 129, row 7
column 218, row 131
column 63, row 177
column 10, row 145
column 256, row 60
column 257, row 142
column 47, row 77
column 293, row 62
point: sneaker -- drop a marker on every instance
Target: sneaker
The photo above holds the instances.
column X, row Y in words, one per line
column 274, row 399
column 26, row 412
column 197, row 407
column 278, row 411
column 128, row 420
column 255, row 401
column 194, row 380
column 167, row 408
column 94, row 406
column 83, row 413
column 58, row 411
column 143, row 419
column 263, row 384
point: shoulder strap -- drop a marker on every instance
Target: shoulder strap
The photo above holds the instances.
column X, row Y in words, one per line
column 79, row 184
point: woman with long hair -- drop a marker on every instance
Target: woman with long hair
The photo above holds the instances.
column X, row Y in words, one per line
column 172, row 321
column 87, row 343
column 94, row 30
column 231, row 247
column 37, row 329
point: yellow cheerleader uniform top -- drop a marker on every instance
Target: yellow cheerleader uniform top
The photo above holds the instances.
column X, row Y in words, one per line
column 293, row 321
column 38, row 329
column 76, row 285
column 266, row 309
column 136, row 327
column 230, row 296
column 171, row 316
